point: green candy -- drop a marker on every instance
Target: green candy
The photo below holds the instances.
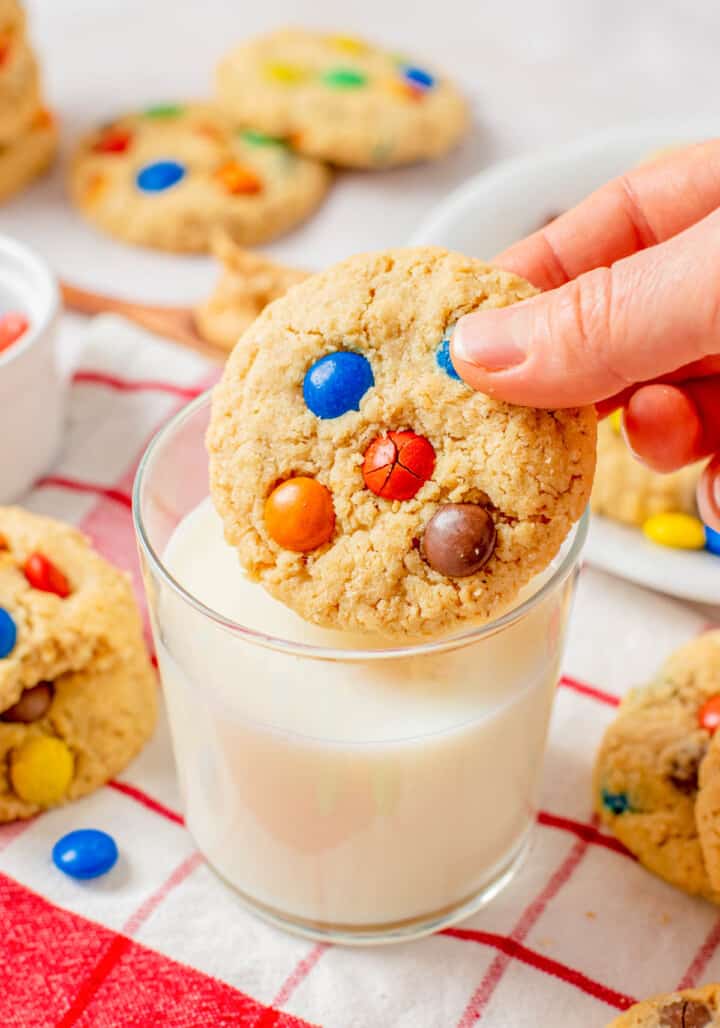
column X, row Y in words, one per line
column 344, row 78
column 256, row 138
column 164, row 111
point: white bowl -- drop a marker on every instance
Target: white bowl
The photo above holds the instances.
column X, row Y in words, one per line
column 31, row 386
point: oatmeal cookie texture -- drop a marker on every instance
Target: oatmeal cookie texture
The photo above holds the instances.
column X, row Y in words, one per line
column 340, row 430
column 78, row 696
column 656, row 782
column 691, row 1008
column 341, row 99
column 29, row 155
column 172, row 175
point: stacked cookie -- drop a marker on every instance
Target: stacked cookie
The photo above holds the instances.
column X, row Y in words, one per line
column 257, row 161
column 27, row 132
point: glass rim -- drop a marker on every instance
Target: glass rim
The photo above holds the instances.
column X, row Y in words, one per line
column 329, row 653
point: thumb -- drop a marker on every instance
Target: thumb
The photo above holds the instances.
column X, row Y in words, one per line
column 611, row 328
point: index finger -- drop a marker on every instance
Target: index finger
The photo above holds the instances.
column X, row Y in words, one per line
column 648, row 205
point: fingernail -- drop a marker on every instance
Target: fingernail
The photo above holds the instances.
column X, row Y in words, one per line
column 486, row 340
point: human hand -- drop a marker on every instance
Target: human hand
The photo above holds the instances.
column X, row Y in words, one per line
column 631, row 319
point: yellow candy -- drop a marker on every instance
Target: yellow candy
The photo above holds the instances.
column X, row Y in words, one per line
column 682, row 531
column 616, row 421
column 288, row 74
column 41, row 770
column 348, row 44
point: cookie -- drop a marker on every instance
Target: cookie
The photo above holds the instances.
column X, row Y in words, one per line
column 652, row 763
column 172, row 175
column 12, row 17
column 19, row 88
column 365, row 485
column 341, row 99
column 690, row 1008
column 628, row 491
column 29, row 155
column 78, row 696
column 248, row 283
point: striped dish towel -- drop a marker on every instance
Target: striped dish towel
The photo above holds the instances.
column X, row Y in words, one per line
column 159, row 941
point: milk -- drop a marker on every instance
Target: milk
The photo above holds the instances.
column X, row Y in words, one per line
column 353, row 794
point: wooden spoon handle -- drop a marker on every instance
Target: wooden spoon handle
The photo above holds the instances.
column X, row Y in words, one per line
column 175, row 323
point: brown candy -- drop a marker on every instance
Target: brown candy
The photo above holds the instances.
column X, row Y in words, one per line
column 685, row 1013
column 32, row 705
column 459, row 539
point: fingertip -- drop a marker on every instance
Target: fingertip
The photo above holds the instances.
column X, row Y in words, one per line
column 663, row 427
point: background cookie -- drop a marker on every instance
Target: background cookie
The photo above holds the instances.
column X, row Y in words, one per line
column 650, row 766
column 628, row 491
column 342, row 441
column 19, row 87
column 29, row 155
column 248, row 283
column 691, row 1008
column 341, row 99
column 171, row 175
column 78, row 696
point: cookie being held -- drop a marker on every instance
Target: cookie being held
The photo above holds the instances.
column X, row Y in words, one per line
column 78, row 696
column 650, row 770
column 360, row 480
column 341, row 99
column 172, row 175
column 689, row 1008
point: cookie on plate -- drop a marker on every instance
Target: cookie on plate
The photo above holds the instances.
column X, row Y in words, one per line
column 19, row 89
column 78, row 696
column 172, row 175
column 29, row 155
column 651, row 765
column 12, row 17
column 628, row 491
column 341, row 99
column 361, row 481
column 690, row 1008
column 248, row 283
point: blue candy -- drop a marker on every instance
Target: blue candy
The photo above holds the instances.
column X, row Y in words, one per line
column 712, row 540
column 160, row 175
column 419, row 77
column 444, row 360
column 616, row 802
column 86, row 853
column 337, row 383
column 8, row 633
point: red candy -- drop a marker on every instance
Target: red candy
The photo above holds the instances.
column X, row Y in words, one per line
column 114, row 141
column 12, row 326
column 42, row 574
column 709, row 715
column 397, row 464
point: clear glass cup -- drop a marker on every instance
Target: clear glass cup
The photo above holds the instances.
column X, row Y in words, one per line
column 324, row 826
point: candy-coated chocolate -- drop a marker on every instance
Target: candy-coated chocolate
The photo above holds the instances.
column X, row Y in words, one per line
column 237, row 179
column 680, row 531
column 95, row 187
column 344, row 78
column 42, row 574
column 419, row 77
column 6, row 39
column 85, row 853
column 13, row 325
column 712, row 540
column 348, row 44
column 616, row 421
column 287, row 74
column 299, row 514
column 8, row 633
column 32, row 705
column 404, row 90
column 397, row 464
column 709, row 714
column 444, row 360
column 159, row 176
column 336, row 383
column 459, row 539
column 256, row 138
column 164, row 111
column 4, row 544
column 114, row 141
column 41, row 770
column 44, row 118
column 616, row 802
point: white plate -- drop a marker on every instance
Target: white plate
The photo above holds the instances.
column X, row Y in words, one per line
column 510, row 200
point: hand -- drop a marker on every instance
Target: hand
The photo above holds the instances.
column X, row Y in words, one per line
column 631, row 319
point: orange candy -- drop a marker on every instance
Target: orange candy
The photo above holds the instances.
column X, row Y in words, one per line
column 238, row 179
column 299, row 514
column 95, row 186
column 709, row 715
column 42, row 574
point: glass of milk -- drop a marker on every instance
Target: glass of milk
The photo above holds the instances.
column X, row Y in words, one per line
column 348, row 787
